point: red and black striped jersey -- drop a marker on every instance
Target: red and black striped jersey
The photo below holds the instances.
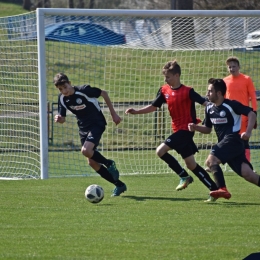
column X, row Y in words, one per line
column 181, row 105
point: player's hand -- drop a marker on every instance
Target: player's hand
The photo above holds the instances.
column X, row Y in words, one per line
column 130, row 111
column 191, row 127
column 116, row 119
column 245, row 136
column 59, row 119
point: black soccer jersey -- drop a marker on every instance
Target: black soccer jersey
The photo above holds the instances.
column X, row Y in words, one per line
column 226, row 118
column 84, row 104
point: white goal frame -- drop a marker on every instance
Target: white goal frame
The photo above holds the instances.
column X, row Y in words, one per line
column 99, row 12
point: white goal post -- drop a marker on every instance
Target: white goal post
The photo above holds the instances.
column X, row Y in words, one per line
column 32, row 146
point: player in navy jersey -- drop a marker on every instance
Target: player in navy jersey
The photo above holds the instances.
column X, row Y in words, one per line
column 225, row 116
column 181, row 105
column 82, row 102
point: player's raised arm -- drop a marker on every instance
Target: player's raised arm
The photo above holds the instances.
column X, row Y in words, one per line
column 200, row 128
column 144, row 110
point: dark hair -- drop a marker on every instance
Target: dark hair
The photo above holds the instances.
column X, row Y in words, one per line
column 232, row 59
column 60, row 79
column 219, row 85
column 172, row 67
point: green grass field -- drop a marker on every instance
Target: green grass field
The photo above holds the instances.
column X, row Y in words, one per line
column 51, row 219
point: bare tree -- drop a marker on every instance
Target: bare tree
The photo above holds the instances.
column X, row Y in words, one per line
column 71, row 4
column 27, row 5
column 173, row 4
column 81, row 4
column 47, row 3
column 91, row 4
column 184, row 5
column 227, row 5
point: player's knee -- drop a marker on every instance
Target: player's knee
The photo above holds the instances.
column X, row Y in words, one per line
column 191, row 166
column 208, row 163
column 211, row 161
column 190, row 163
column 86, row 152
column 248, row 176
column 159, row 152
column 247, row 173
column 162, row 149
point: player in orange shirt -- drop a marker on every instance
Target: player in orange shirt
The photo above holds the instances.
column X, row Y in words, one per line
column 240, row 87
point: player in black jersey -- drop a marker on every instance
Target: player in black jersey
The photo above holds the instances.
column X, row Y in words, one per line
column 225, row 116
column 82, row 102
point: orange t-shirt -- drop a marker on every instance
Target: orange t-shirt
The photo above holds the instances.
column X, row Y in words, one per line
column 241, row 88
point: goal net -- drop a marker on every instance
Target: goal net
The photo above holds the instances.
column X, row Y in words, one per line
column 88, row 46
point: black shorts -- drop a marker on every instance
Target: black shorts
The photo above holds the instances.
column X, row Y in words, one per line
column 92, row 134
column 231, row 150
column 246, row 144
column 182, row 142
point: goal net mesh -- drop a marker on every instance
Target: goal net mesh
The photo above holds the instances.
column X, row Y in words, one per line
column 130, row 72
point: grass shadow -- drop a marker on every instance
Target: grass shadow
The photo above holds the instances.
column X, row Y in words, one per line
column 143, row 198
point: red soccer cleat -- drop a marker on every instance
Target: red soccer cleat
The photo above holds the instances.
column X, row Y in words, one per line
column 220, row 193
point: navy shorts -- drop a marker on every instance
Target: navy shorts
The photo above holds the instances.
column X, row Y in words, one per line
column 182, row 142
column 92, row 134
column 231, row 150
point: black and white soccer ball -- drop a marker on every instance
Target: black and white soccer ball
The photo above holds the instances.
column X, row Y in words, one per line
column 94, row 193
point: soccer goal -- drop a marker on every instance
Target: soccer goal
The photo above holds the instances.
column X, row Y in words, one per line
column 123, row 52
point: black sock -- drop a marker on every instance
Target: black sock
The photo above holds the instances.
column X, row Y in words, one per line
column 119, row 183
column 174, row 165
column 98, row 157
column 103, row 172
column 205, row 178
column 218, row 176
column 258, row 184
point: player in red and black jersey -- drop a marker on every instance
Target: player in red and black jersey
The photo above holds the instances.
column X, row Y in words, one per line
column 82, row 102
column 225, row 115
column 181, row 105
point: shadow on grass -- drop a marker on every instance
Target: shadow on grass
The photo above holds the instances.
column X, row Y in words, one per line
column 219, row 202
column 143, row 198
column 239, row 204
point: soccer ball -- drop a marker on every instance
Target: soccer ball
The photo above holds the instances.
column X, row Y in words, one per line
column 94, row 193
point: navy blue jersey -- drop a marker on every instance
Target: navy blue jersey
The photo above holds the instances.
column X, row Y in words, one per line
column 84, row 104
column 226, row 118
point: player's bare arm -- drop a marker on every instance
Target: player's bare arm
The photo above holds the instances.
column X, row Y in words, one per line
column 251, row 122
column 59, row 119
column 205, row 103
column 144, row 110
column 116, row 118
column 200, row 128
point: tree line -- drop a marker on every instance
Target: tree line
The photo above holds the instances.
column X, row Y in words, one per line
column 144, row 4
